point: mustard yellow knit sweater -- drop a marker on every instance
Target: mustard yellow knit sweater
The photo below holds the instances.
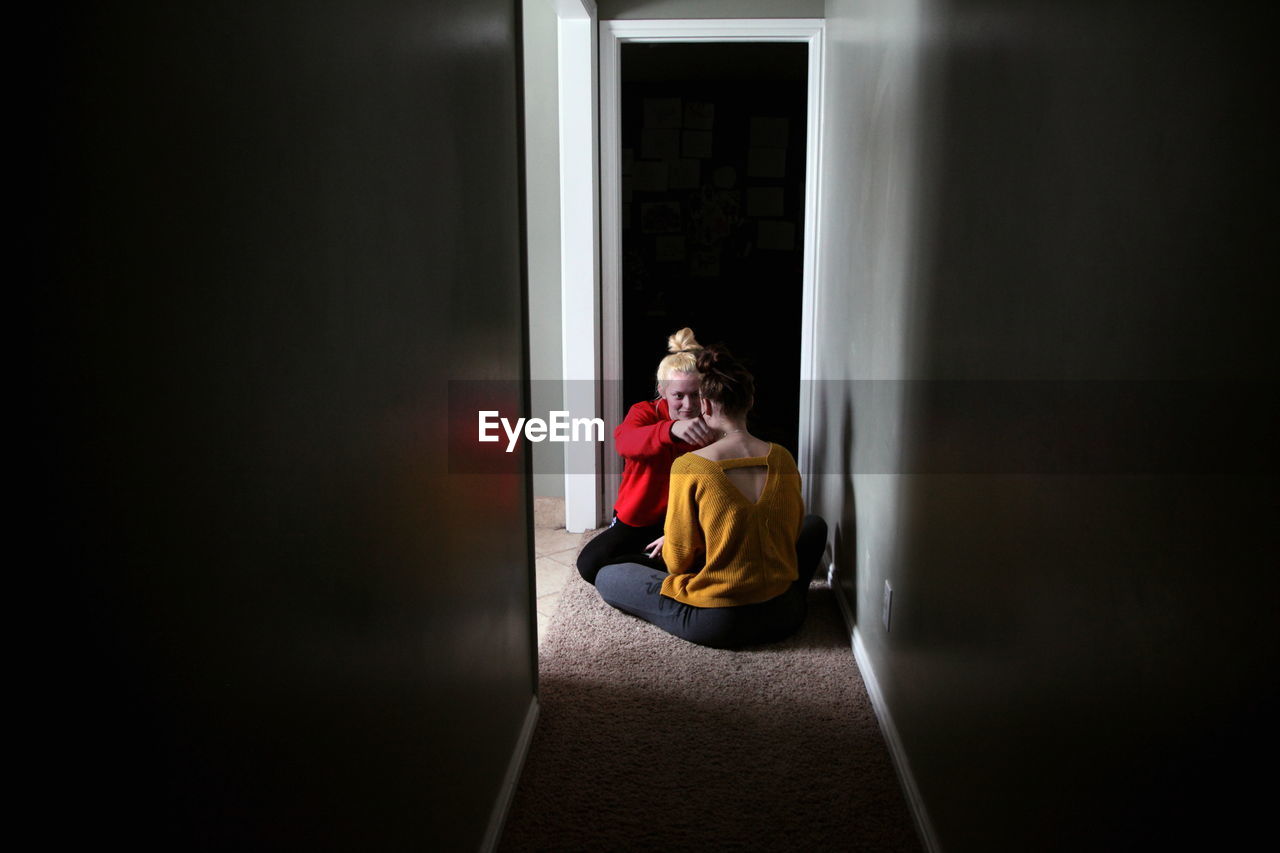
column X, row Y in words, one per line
column 721, row 549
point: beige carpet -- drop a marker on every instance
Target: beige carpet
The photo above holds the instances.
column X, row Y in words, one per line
column 647, row 742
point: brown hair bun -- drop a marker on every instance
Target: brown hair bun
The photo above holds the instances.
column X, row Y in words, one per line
column 725, row 381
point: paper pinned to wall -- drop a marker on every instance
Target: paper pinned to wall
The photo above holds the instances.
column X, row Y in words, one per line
column 659, row 143
column 699, row 115
column 662, row 112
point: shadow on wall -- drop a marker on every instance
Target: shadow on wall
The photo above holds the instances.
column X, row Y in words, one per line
column 1089, row 643
column 845, row 529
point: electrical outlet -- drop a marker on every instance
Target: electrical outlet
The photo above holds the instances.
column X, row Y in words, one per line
column 887, row 609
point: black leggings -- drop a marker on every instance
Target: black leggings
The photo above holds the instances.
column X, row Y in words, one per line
column 619, row 543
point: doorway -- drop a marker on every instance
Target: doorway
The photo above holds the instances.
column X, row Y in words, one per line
column 709, row 160
column 712, row 212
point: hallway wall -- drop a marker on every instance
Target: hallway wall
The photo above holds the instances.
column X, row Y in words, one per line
column 540, row 60
column 1045, row 412
column 278, row 230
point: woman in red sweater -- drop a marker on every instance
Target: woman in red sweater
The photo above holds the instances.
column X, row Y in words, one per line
column 650, row 438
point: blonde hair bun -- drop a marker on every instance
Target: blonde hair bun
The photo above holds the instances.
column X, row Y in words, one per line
column 684, row 349
column 683, row 340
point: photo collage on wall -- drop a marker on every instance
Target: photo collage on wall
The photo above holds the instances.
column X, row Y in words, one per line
column 695, row 200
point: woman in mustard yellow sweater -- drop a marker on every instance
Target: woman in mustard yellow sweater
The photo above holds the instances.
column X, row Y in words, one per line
column 737, row 548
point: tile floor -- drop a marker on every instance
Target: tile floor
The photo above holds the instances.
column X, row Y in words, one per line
column 555, row 550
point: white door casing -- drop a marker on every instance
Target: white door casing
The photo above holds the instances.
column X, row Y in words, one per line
column 612, row 35
column 579, row 253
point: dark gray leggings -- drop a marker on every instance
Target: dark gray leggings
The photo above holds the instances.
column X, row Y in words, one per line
column 635, row 588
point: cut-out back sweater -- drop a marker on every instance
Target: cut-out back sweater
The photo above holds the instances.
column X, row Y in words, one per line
column 721, row 549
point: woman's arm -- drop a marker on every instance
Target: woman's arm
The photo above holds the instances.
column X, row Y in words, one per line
column 643, row 433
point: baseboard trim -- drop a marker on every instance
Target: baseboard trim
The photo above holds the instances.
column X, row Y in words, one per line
column 924, row 827
column 498, row 817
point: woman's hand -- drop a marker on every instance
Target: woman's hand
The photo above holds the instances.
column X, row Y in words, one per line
column 654, row 548
column 694, row 431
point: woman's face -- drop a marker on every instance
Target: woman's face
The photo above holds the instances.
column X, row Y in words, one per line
column 681, row 394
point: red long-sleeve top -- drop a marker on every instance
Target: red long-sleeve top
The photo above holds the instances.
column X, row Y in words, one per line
column 645, row 441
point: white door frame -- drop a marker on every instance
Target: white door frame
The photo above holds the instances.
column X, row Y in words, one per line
column 579, row 252
column 612, row 35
